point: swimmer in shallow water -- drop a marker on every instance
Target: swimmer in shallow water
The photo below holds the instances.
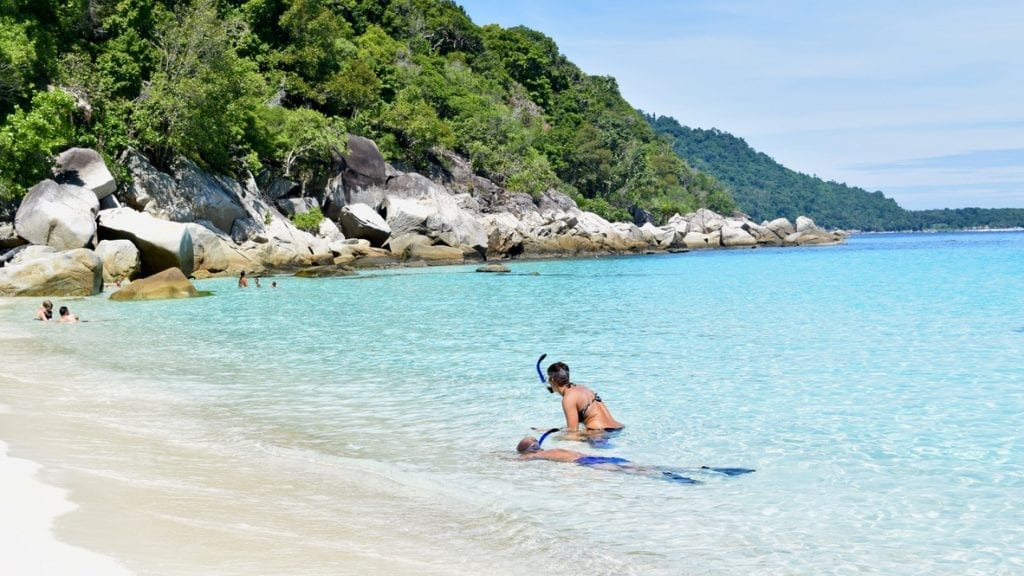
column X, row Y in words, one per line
column 580, row 404
column 529, row 448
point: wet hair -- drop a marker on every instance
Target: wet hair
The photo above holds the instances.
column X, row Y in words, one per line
column 47, row 304
column 525, row 444
column 64, row 311
column 558, row 373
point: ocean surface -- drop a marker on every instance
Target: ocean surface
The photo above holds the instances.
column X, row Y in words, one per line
column 367, row 425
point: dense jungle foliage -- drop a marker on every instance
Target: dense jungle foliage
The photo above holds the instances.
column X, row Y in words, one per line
column 765, row 189
column 277, row 84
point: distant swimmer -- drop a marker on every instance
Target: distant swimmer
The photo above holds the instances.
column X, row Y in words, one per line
column 45, row 312
column 580, row 404
column 66, row 317
column 529, row 448
column 243, row 282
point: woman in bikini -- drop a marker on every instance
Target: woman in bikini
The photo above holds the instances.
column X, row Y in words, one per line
column 580, row 404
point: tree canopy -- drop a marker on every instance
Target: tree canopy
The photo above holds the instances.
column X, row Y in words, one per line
column 276, row 84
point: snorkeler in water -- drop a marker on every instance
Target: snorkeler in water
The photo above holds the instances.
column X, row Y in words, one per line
column 529, row 448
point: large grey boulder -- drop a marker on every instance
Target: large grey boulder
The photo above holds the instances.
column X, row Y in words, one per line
column 84, row 167
column 121, row 260
column 187, row 195
column 414, row 204
column 734, row 235
column 697, row 240
column 145, row 179
column 215, row 199
column 805, row 224
column 59, row 215
column 705, row 221
column 781, row 227
column 46, row 272
column 209, row 251
column 162, row 244
column 360, row 179
column 362, row 221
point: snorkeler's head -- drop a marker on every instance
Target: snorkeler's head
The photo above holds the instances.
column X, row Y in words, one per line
column 528, row 444
column 558, row 373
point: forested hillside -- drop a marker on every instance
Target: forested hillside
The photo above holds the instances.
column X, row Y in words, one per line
column 765, row 189
column 276, row 85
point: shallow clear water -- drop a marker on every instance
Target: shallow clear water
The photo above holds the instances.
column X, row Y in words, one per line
column 338, row 424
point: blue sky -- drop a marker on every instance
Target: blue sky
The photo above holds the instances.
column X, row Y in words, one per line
column 921, row 100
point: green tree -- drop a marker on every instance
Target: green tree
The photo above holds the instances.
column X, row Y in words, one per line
column 203, row 100
column 30, row 140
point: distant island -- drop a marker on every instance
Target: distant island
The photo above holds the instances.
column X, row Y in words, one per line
column 765, row 189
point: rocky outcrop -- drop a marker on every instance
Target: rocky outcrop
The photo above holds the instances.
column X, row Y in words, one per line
column 161, row 244
column 121, row 260
column 377, row 216
column 169, row 283
column 62, row 216
column 43, row 271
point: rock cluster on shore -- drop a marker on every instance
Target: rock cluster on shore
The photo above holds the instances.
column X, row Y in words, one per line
column 81, row 229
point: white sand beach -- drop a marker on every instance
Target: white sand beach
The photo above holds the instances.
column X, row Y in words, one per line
column 28, row 508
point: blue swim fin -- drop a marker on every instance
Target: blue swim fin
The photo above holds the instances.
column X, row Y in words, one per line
column 729, row 471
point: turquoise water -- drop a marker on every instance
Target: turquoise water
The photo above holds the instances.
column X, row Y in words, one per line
column 877, row 388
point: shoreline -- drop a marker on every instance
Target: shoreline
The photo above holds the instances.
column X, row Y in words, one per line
column 30, row 508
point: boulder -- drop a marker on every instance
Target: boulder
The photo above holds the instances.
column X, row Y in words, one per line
column 400, row 245
column 325, row 271
column 812, row 238
column 503, row 234
column 121, row 260
column 216, row 199
column 169, row 283
column 362, row 221
column 360, row 180
column 208, row 249
column 145, row 178
column 493, row 268
column 84, row 167
column 680, row 224
column 59, row 215
column 734, row 235
column 805, row 224
column 161, row 244
column 46, row 272
column 781, row 227
column 435, row 254
column 705, row 221
column 415, row 204
column 696, row 240
column 190, row 194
